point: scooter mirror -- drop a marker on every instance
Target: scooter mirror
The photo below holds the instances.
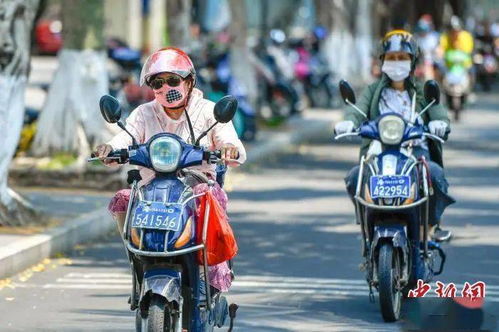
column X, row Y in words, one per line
column 431, row 92
column 225, row 109
column 347, row 92
column 110, row 108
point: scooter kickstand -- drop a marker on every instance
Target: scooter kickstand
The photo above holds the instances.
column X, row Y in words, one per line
column 232, row 315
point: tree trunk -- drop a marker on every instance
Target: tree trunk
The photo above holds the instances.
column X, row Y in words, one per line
column 16, row 22
column 178, row 22
column 70, row 120
column 343, row 49
column 240, row 56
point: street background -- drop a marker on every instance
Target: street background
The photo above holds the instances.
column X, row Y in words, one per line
column 299, row 245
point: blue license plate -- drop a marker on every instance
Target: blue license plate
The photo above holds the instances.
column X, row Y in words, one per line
column 393, row 186
column 157, row 215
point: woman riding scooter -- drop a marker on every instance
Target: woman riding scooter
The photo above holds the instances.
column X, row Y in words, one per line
column 393, row 93
column 180, row 109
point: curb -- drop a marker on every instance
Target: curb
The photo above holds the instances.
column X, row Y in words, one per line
column 21, row 254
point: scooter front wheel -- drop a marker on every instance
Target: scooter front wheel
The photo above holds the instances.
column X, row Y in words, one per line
column 158, row 317
column 389, row 272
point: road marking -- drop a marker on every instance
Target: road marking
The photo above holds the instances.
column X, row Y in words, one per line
column 298, row 279
column 98, row 275
column 86, row 286
column 243, row 284
column 127, row 281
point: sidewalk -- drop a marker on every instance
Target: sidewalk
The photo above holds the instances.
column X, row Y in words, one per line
column 84, row 215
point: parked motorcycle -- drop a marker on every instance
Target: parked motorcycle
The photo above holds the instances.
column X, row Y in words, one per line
column 216, row 80
column 170, row 291
column 486, row 64
column 457, row 82
column 313, row 72
column 124, row 73
column 278, row 95
column 392, row 206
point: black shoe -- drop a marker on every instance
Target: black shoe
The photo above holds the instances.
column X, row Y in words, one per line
column 441, row 235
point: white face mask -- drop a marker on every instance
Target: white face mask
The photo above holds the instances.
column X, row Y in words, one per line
column 397, row 70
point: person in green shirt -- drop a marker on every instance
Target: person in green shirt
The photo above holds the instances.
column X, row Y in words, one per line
column 392, row 93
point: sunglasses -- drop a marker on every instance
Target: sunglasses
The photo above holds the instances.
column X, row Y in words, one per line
column 158, row 82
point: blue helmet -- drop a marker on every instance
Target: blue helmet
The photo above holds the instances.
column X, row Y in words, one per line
column 399, row 41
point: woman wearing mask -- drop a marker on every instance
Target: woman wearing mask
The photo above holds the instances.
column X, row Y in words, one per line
column 393, row 93
column 178, row 108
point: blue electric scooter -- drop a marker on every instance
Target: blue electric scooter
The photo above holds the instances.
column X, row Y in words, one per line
column 170, row 291
column 392, row 205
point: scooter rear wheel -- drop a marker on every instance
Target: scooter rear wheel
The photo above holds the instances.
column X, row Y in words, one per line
column 389, row 272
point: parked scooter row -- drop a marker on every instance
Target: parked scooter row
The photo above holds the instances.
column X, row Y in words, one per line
column 290, row 74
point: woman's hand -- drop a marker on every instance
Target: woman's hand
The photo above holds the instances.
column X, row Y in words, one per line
column 229, row 153
column 344, row 127
column 102, row 151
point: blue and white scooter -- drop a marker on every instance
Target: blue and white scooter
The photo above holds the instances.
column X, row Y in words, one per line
column 392, row 205
column 169, row 291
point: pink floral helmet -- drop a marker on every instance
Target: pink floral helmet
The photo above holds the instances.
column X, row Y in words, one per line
column 167, row 60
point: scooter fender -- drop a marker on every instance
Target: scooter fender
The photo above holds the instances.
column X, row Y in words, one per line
column 391, row 233
column 164, row 282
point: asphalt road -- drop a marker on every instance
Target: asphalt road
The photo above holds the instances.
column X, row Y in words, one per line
column 298, row 267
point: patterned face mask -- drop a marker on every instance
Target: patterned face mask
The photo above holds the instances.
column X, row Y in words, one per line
column 172, row 97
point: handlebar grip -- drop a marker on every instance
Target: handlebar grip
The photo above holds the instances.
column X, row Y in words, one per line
column 120, row 156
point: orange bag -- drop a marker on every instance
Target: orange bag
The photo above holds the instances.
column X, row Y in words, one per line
column 221, row 244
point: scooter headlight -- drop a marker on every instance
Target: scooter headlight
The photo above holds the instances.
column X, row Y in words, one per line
column 391, row 129
column 165, row 154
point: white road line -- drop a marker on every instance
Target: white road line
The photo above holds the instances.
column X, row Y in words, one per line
column 296, row 279
column 308, row 291
column 127, row 281
column 260, row 279
column 98, row 275
column 244, row 284
column 256, row 284
column 87, row 286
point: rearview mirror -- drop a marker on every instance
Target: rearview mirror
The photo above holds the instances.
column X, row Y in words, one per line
column 347, row 92
column 110, row 108
column 431, row 92
column 225, row 109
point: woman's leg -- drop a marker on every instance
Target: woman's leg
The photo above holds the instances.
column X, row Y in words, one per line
column 118, row 207
column 439, row 201
column 120, row 221
column 351, row 181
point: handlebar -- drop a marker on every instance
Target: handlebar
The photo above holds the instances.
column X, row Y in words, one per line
column 121, row 156
column 426, row 133
column 356, row 133
column 434, row 137
column 214, row 157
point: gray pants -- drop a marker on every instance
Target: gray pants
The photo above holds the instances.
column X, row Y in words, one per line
column 438, row 201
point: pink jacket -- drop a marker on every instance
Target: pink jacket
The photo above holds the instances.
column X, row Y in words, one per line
column 150, row 119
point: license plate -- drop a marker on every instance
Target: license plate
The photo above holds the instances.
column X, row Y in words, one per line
column 390, row 186
column 157, row 215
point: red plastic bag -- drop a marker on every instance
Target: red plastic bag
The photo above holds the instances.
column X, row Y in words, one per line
column 221, row 244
